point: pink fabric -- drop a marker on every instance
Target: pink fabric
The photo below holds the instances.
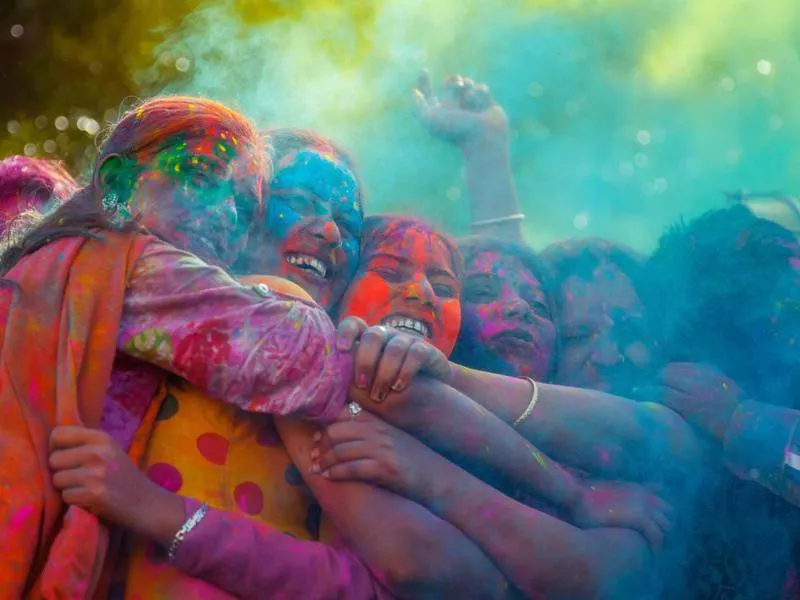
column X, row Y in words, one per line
column 247, row 558
column 262, row 353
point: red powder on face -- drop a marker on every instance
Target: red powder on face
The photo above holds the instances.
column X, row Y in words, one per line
column 409, row 275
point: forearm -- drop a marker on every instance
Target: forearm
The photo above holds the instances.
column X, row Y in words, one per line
column 468, row 434
column 244, row 557
column 415, row 553
column 762, row 443
column 538, row 553
column 490, row 182
column 586, row 429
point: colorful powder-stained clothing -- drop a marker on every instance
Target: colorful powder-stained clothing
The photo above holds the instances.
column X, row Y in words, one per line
column 77, row 301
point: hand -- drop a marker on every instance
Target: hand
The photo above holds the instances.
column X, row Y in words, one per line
column 701, row 394
column 94, row 473
column 367, row 449
column 468, row 114
column 387, row 360
column 627, row 505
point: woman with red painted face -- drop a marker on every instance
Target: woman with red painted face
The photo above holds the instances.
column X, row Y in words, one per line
column 507, row 324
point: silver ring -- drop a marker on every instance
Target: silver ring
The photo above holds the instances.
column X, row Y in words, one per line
column 354, row 409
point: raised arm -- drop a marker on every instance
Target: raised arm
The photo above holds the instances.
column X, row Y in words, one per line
column 468, row 117
column 417, row 554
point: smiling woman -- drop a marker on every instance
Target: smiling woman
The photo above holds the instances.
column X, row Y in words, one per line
column 312, row 227
column 408, row 278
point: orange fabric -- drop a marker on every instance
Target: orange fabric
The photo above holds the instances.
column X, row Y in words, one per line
column 221, row 455
column 58, row 327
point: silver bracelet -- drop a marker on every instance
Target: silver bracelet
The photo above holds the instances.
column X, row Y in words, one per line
column 534, row 398
column 498, row 220
column 190, row 524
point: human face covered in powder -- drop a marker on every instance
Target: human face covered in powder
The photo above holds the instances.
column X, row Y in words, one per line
column 313, row 225
column 200, row 192
column 604, row 341
column 407, row 279
column 507, row 324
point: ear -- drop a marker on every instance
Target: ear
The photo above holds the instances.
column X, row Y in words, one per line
column 112, row 174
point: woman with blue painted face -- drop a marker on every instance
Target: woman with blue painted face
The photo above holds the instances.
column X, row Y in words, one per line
column 312, row 227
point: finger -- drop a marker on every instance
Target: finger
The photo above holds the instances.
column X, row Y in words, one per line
column 652, row 533
column 394, row 355
column 662, row 521
column 425, row 86
column 347, row 431
column 67, row 436
column 453, row 90
column 71, row 478
column 661, row 505
column 483, row 96
column 348, row 332
column 368, row 355
column 366, row 469
column 677, row 401
column 342, row 453
column 648, row 393
column 77, row 496
column 416, row 358
column 71, row 458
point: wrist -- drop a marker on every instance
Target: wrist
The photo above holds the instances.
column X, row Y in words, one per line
column 491, row 146
column 158, row 515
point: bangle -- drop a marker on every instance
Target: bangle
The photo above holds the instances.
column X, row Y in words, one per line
column 190, row 524
column 498, row 220
column 531, row 404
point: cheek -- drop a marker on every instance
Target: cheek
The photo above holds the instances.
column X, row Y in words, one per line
column 485, row 320
column 368, row 298
column 282, row 221
column 450, row 323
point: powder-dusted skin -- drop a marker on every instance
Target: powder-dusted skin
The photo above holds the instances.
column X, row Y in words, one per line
column 408, row 274
column 314, row 210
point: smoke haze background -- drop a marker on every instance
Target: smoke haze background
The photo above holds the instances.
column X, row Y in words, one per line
column 625, row 113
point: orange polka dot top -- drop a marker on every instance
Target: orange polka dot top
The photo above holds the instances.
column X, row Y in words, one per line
column 233, row 460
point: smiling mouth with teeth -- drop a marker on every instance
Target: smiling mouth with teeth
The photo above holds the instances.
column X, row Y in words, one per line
column 308, row 263
column 412, row 326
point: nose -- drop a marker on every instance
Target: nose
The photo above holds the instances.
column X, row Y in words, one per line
column 419, row 289
column 516, row 308
column 326, row 232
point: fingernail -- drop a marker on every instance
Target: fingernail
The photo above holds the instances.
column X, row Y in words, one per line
column 317, row 436
column 379, row 396
column 314, row 468
column 361, row 382
column 326, row 473
column 314, row 454
column 398, row 385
